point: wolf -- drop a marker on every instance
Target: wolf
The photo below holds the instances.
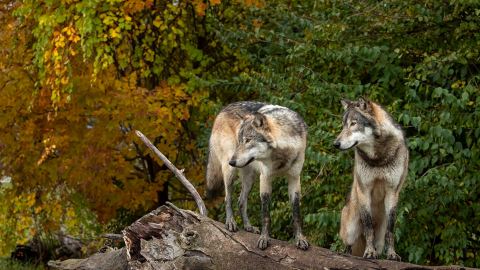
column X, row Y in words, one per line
column 254, row 139
column 381, row 165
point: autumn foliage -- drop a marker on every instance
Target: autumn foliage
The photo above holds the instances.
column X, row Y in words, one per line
column 77, row 77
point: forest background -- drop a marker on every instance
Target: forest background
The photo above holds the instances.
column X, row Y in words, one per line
column 77, row 76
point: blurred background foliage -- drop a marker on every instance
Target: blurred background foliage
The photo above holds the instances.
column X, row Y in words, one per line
column 77, row 76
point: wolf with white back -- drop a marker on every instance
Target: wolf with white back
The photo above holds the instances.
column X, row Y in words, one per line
column 381, row 165
column 254, row 138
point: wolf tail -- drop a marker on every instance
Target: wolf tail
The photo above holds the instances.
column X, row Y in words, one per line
column 214, row 176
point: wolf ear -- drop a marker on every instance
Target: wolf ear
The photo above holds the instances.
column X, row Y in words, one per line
column 345, row 103
column 364, row 104
column 259, row 120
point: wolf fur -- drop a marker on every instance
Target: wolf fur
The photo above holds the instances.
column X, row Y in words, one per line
column 381, row 165
column 255, row 138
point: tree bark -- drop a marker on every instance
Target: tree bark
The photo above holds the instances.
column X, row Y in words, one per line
column 172, row 238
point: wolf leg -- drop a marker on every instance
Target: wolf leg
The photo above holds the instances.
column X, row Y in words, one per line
column 294, row 195
column 380, row 228
column 228, row 175
column 265, row 196
column 391, row 200
column 247, row 176
column 367, row 222
column 351, row 229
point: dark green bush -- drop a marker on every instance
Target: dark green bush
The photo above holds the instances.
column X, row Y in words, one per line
column 418, row 58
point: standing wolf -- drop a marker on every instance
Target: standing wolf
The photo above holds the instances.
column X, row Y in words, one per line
column 381, row 164
column 257, row 138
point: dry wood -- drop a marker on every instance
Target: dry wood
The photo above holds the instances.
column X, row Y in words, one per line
column 177, row 172
column 172, row 238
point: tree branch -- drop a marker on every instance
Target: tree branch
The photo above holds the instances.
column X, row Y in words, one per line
column 178, row 173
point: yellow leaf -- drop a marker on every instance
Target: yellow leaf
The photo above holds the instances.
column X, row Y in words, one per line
column 64, row 80
column 74, row 38
column 115, row 33
column 47, row 55
column 157, row 22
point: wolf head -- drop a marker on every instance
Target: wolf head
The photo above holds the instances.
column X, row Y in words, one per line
column 359, row 125
column 254, row 141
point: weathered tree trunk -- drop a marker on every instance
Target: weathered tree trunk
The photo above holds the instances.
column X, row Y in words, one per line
column 171, row 238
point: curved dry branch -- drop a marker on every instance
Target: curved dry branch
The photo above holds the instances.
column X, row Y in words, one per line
column 177, row 172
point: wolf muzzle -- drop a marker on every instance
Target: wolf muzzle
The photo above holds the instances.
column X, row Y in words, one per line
column 336, row 144
column 233, row 163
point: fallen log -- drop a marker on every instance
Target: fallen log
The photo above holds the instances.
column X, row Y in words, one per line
column 112, row 260
column 173, row 238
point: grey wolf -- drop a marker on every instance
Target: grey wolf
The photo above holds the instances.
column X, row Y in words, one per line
column 255, row 138
column 381, row 165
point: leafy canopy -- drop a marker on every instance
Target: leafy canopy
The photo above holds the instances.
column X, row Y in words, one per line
column 77, row 77
column 419, row 59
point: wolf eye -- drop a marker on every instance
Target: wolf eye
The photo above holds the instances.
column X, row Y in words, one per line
column 247, row 140
column 353, row 123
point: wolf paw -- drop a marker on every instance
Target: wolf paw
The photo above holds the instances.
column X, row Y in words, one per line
column 263, row 242
column 231, row 225
column 370, row 253
column 302, row 243
column 391, row 255
column 252, row 229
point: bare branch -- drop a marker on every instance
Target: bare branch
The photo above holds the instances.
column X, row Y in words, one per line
column 178, row 174
column 113, row 236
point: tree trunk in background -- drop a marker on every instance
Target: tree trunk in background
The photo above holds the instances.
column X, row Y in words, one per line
column 162, row 195
column 171, row 238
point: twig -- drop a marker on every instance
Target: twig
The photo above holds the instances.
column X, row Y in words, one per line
column 178, row 174
column 113, row 236
column 176, row 208
column 227, row 234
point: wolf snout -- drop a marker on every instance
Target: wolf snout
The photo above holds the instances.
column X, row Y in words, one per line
column 337, row 144
column 232, row 162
